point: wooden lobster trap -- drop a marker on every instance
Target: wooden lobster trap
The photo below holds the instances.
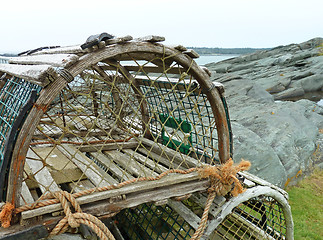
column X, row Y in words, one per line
column 121, row 129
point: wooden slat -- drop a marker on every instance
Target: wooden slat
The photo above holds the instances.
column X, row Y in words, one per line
column 76, row 49
column 145, row 161
column 158, row 158
column 33, row 73
column 178, row 47
column 118, row 40
column 191, row 53
column 97, row 175
column 41, row 173
column 189, row 183
column 112, row 167
column 129, row 164
column 80, row 185
column 171, row 154
column 148, row 69
column 155, row 195
column 150, row 38
column 26, row 196
column 108, row 146
column 61, row 168
column 185, row 213
column 56, row 60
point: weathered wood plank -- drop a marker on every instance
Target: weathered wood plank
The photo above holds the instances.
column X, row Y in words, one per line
column 36, row 74
column 56, row 60
column 118, row 40
column 76, row 49
column 153, row 191
column 108, row 146
column 25, row 197
column 172, row 179
column 150, row 38
column 171, row 154
column 80, row 185
column 60, row 167
column 191, row 53
column 159, row 159
column 129, row 164
column 120, row 173
column 145, row 161
column 262, row 182
column 41, row 173
column 185, row 213
column 155, row 195
column 178, row 47
column 97, row 175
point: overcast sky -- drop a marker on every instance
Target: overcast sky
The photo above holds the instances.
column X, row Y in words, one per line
column 28, row 24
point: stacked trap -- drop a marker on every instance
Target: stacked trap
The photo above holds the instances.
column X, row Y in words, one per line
column 123, row 126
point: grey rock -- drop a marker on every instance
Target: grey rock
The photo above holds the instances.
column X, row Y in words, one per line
column 260, row 94
column 261, row 155
column 283, row 59
column 312, row 83
column 279, row 137
column 290, row 93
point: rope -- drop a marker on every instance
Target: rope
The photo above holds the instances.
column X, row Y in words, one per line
column 222, row 179
column 88, row 142
column 75, row 219
column 6, row 214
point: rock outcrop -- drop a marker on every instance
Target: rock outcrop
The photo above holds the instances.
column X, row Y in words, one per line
column 281, row 138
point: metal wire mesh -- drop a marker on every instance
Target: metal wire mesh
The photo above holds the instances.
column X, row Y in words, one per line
column 14, row 94
column 153, row 222
column 258, row 218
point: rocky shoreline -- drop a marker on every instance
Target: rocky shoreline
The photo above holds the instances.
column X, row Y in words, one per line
column 283, row 139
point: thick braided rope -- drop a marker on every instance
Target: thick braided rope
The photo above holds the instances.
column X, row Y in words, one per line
column 75, row 219
column 199, row 231
column 223, row 180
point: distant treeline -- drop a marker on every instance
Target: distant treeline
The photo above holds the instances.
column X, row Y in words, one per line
column 237, row 51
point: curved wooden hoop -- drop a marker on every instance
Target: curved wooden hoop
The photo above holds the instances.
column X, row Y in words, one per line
column 48, row 94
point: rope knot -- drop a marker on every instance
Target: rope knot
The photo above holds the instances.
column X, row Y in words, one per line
column 65, row 197
column 6, row 214
column 223, row 178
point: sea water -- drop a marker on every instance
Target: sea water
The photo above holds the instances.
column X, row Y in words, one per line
column 205, row 59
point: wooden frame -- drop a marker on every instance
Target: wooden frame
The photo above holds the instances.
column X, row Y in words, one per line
column 48, row 94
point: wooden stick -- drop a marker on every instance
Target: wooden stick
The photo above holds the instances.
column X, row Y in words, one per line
column 170, row 180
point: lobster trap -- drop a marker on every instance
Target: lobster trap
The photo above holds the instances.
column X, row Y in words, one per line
column 123, row 126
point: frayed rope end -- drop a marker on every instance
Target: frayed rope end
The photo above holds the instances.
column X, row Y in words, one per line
column 6, row 214
column 225, row 175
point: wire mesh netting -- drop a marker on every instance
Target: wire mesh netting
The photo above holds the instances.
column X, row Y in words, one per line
column 115, row 122
column 258, row 218
column 153, row 222
column 13, row 96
